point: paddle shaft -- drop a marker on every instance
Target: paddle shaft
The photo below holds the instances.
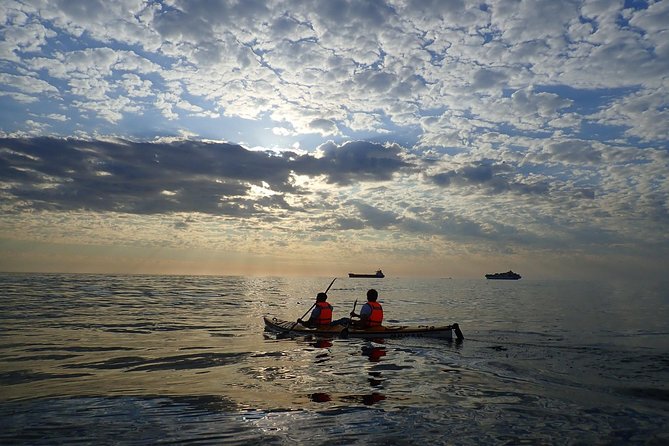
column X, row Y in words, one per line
column 329, row 286
column 311, row 307
column 344, row 332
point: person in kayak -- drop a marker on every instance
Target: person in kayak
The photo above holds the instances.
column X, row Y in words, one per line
column 371, row 313
column 321, row 316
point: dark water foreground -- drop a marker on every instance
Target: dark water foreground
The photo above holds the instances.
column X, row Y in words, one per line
column 154, row 359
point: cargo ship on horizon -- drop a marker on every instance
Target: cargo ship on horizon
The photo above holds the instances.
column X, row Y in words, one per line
column 377, row 275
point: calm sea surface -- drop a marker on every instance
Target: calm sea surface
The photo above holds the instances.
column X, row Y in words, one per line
column 100, row 359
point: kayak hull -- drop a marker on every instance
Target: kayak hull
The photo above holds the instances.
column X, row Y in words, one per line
column 391, row 331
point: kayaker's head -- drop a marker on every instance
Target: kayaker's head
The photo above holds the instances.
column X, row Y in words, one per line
column 321, row 297
column 372, row 295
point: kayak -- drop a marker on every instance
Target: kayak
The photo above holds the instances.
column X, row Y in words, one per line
column 384, row 331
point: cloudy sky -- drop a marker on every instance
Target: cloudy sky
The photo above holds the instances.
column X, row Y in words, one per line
column 448, row 138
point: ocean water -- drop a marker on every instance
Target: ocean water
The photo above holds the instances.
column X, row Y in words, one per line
column 99, row 359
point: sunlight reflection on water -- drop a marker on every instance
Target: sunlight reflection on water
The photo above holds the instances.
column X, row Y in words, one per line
column 137, row 359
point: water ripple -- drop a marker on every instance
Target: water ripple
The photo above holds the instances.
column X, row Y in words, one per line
column 97, row 359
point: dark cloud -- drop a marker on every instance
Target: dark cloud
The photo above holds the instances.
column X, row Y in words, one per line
column 376, row 81
column 144, row 178
column 483, row 173
column 185, row 176
column 585, row 193
column 374, row 13
column 377, row 218
column 82, row 11
column 432, row 6
column 175, row 25
column 455, row 226
column 574, row 151
column 346, row 223
column 196, row 20
column 484, row 79
column 182, row 225
column 495, row 177
column 326, row 126
column 450, row 225
column 355, row 161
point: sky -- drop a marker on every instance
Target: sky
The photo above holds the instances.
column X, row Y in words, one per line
column 440, row 138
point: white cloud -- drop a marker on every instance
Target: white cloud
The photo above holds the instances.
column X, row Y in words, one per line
column 110, row 109
column 282, row 131
column 21, row 36
column 645, row 114
column 366, row 122
column 57, row 117
column 27, row 84
column 524, row 105
column 136, row 86
column 21, row 98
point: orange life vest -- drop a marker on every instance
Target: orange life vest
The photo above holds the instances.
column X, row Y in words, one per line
column 325, row 316
column 376, row 316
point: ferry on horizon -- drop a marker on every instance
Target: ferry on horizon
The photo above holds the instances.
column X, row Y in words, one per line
column 509, row 275
column 378, row 275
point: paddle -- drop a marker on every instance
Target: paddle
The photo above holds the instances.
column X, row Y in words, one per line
column 310, row 308
column 458, row 332
column 344, row 332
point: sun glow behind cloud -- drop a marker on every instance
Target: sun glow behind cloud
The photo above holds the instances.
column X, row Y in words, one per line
column 290, row 137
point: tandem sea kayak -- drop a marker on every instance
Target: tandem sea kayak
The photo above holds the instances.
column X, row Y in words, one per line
column 390, row 331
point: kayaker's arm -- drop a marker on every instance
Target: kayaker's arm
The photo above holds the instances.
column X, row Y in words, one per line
column 312, row 318
column 365, row 311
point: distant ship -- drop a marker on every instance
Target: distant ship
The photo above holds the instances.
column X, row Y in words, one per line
column 377, row 275
column 509, row 275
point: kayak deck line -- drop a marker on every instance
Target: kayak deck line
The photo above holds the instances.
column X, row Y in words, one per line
column 391, row 331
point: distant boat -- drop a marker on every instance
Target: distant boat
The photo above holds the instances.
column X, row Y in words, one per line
column 377, row 275
column 509, row 275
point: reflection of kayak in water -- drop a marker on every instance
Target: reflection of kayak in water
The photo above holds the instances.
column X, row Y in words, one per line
column 390, row 331
column 370, row 399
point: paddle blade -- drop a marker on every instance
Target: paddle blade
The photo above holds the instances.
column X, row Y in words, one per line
column 458, row 332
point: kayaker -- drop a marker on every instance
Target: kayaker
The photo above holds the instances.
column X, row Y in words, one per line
column 371, row 313
column 321, row 314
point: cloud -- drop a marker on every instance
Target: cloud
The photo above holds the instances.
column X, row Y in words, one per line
column 643, row 114
column 485, row 79
column 324, row 126
column 536, row 122
column 310, row 67
column 179, row 176
column 573, row 152
column 27, row 84
column 494, row 177
column 376, row 218
column 357, row 161
column 282, row 131
column 348, row 223
column 19, row 98
column 439, row 223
